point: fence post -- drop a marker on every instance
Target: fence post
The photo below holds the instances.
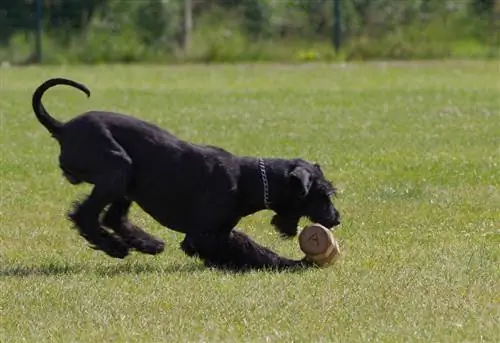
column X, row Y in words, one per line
column 187, row 25
column 336, row 25
column 38, row 30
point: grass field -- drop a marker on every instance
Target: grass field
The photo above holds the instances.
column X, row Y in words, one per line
column 413, row 147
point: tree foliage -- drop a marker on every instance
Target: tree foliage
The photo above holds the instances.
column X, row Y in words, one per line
column 159, row 21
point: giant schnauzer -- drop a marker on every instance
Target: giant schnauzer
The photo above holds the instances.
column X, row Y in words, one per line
column 199, row 190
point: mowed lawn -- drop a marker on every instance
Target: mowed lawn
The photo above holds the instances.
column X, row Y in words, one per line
column 414, row 149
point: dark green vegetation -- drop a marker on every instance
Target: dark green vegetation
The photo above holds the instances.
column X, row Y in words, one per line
column 97, row 31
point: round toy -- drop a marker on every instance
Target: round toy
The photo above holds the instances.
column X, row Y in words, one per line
column 318, row 244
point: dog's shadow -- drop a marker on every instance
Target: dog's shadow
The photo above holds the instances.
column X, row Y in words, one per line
column 57, row 269
column 127, row 268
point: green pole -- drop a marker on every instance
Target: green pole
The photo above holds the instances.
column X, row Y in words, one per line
column 38, row 30
column 336, row 24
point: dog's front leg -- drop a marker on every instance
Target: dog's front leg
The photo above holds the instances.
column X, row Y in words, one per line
column 236, row 251
column 86, row 219
column 286, row 225
column 116, row 219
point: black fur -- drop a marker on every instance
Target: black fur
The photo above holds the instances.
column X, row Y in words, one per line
column 202, row 191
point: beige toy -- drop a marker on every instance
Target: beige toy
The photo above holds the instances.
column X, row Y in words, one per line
column 318, row 244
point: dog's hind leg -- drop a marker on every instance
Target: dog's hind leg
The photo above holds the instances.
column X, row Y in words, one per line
column 116, row 219
column 86, row 219
column 97, row 158
column 236, row 251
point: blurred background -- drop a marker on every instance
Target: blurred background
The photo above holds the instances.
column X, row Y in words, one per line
column 174, row 31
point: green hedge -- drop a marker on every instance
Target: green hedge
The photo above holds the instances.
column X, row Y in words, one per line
column 103, row 31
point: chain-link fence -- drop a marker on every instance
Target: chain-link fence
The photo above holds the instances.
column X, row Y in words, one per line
column 92, row 31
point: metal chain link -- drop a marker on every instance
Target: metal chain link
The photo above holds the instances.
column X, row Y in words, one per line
column 263, row 176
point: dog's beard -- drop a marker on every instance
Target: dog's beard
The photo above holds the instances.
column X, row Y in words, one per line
column 286, row 225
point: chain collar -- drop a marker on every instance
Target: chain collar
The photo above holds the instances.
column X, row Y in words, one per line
column 263, row 176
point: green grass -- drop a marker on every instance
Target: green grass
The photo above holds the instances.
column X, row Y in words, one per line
column 413, row 147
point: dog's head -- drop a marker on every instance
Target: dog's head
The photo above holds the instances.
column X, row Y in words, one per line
column 307, row 194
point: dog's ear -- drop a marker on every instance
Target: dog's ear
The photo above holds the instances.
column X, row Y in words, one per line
column 301, row 181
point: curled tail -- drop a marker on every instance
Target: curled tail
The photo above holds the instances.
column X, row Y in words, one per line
column 52, row 125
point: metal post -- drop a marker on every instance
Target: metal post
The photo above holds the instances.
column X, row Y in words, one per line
column 188, row 24
column 336, row 25
column 38, row 30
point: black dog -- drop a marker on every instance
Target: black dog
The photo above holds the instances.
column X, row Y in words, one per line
column 202, row 191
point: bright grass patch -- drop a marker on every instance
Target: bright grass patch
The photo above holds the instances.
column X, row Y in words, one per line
column 413, row 147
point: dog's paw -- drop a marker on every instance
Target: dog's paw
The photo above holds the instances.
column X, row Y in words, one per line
column 112, row 245
column 149, row 246
column 285, row 226
column 188, row 247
